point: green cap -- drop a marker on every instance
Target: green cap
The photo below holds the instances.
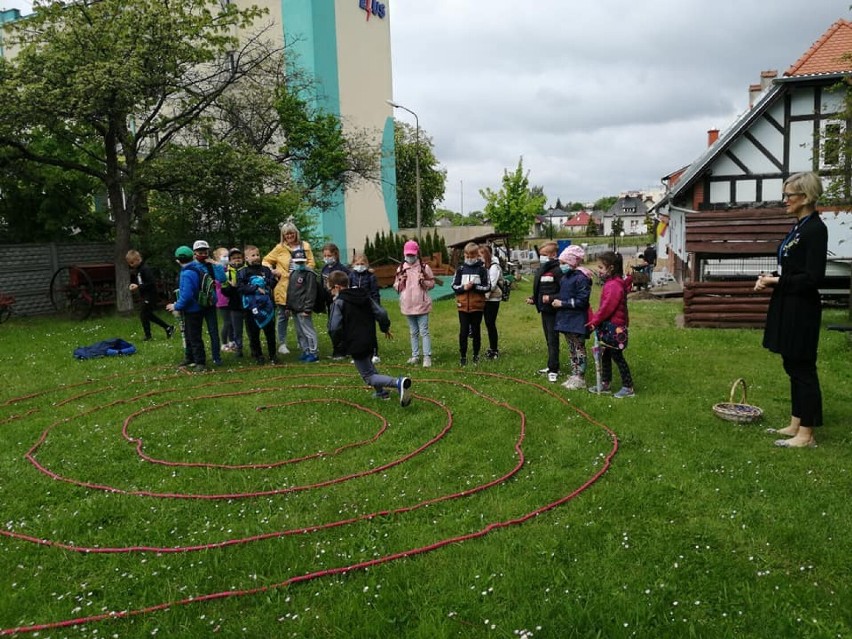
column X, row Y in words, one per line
column 183, row 251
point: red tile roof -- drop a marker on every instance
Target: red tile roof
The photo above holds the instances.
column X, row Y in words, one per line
column 826, row 55
column 580, row 219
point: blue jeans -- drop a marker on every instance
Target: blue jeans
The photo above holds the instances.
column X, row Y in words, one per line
column 418, row 327
column 281, row 320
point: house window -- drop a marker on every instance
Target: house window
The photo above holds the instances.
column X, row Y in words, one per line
column 629, row 209
column 832, row 144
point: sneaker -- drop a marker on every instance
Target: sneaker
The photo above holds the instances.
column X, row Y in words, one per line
column 217, row 362
column 575, row 382
column 403, row 385
column 476, row 359
column 147, row 338
column 311, row 358
column 302, row 357
column 624, row 392
column 412, row 360
column 489, row 354
column 170, row 330
column 383, row 394
column 273, row 360
column 463, row 361
column 543, row 371
column 604, row 390
column 376, row 359
column 259, row 360
column 427, row 362
column 553, row 377
column 283, row 350
column 227, row 348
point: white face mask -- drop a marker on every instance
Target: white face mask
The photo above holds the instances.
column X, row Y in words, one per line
column 411, row 259
column 329, row 260
column 470, row 261
column 359, row 268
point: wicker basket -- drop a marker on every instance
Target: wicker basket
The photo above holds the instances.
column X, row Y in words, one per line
column 741, row 413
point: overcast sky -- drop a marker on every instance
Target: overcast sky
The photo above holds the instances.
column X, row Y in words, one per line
column 598, row 97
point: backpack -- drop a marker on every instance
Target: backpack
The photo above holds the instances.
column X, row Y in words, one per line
column 207, row 289
column 320, row 305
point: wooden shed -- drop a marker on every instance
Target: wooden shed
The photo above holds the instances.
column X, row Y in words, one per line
column 730, row 301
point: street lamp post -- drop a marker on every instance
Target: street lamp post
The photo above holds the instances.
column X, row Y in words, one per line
column 416, row 159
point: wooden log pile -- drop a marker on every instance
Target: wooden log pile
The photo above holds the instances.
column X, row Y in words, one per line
column 724, row 305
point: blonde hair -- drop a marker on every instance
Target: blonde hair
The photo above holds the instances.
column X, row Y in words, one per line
column 361, row 257
column 219, row 252
column 549, row 247
column 471, row 247
column 289, row 227
column 133, row 254
column 808, row 184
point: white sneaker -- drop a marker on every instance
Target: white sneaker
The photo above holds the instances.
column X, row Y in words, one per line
column 575, row 382
column 376, row 359
column 427, row 361
column 283, row 350
column 413, row 360
column 543, row 371
column 552, row 377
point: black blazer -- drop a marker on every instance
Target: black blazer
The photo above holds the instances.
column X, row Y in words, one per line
column 795, row 313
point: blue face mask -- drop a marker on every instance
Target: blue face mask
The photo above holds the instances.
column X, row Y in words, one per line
column 359, row 268
column 565, row 268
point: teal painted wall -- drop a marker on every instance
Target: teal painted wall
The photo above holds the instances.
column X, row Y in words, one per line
column 312, row 30
column 389, row 175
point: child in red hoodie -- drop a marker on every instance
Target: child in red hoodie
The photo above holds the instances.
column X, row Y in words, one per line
column 611, row 322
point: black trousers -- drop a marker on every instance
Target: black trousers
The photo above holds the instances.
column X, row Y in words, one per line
column 193, row 326
column 490, row 315
column 805, row 393
column 254, row 331
column 147, row 317
column 470, row 324
column 551, row 337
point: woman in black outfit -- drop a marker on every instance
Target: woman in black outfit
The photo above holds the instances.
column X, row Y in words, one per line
column 794, row 316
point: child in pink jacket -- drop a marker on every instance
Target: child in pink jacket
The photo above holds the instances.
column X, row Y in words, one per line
column 413, row 281
column 611, row 322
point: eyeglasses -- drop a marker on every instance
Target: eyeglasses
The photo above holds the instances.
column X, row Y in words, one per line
column 787, row 196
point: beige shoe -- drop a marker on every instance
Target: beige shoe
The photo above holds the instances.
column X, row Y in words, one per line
column 574, row 383
column 427, row 362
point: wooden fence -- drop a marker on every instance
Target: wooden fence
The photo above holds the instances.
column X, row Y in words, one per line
column 724, row 305
column 26, row 270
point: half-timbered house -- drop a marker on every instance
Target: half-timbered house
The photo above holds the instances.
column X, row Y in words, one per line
column 724, row 216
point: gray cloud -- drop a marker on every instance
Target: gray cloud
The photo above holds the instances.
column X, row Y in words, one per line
column 597, row 97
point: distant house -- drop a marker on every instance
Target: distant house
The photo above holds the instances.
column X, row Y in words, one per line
column 550, row 222
column 632, row 209
column 723, row 216
column 578, row 223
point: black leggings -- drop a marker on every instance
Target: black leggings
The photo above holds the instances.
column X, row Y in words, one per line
column 805, row 393
column 490, row 314
column 469, row 323
column 608, row 355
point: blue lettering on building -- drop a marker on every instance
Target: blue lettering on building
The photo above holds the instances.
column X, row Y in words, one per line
column 373, row 7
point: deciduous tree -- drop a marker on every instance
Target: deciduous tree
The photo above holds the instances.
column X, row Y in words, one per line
column 432, row 177
column 514, row 207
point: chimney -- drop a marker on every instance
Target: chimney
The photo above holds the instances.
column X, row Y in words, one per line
column 754, row 91
column 766, row 78
column 712, row 136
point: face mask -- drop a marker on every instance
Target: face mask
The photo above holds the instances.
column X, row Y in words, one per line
column 470, row 262
column 565, row 268
column 329, row 260
column 359, row 268
column 544, row 259
column 411, row 259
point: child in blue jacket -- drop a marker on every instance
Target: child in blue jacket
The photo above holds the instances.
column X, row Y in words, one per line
column 572, row 313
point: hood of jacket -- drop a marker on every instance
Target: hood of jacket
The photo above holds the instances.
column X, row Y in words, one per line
column 356, row 296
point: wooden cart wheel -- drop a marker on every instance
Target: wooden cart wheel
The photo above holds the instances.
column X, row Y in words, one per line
column 72, row 292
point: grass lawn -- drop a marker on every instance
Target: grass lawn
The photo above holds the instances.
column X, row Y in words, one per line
column 286, row 502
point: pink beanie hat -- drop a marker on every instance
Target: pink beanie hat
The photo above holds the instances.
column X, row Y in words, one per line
column 410, row 248
column 572, row 255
